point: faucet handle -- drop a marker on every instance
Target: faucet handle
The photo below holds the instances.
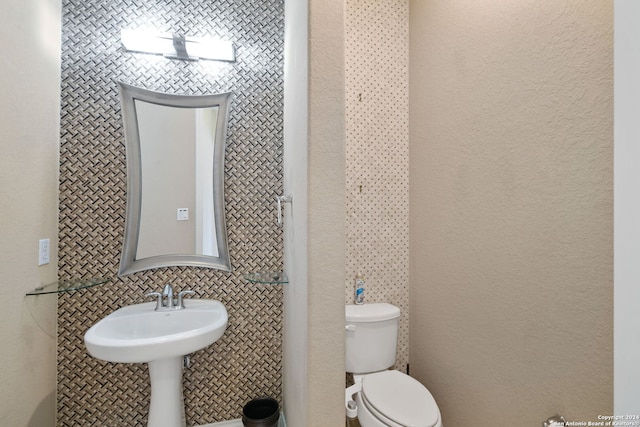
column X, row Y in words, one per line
column 158, row 296
column 181, row 295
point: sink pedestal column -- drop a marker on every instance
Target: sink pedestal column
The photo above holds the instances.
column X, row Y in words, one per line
column 167, row 403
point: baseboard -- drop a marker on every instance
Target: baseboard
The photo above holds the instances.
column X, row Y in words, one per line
column 238, row 423
column 230, row 423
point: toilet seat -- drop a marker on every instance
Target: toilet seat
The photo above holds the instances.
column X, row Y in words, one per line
column 399, row 400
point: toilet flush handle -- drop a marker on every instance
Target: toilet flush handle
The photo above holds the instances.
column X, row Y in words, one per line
column 350, row 328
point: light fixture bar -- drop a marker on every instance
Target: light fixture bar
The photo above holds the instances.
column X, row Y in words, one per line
column 177, row 46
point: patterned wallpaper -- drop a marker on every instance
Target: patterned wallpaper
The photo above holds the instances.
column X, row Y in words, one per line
column 377, row 153
column 246, row 362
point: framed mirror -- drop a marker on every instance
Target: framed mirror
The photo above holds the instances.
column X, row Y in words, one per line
column 175, row 147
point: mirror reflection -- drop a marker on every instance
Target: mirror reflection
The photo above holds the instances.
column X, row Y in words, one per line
column 176, row 213
column 175, row 171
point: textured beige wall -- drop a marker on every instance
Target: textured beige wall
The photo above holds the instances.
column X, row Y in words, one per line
column 29, row 117
column 511, row 208
column 326, row 207
column 377, row 155
column 295, row 317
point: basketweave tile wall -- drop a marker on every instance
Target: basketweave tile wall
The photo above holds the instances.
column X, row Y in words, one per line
column 377, row 153
column 246, row 361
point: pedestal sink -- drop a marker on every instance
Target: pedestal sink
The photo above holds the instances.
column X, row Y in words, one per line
column 140, row 334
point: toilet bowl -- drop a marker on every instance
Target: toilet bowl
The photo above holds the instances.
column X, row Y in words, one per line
column 394, row 399
column 381, row 397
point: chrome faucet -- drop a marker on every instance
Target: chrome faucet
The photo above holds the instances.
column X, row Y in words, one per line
column 167, row 294
column 165, row 300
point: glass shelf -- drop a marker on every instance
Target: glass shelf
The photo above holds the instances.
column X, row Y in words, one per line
column 267, row 277
column 67, row 286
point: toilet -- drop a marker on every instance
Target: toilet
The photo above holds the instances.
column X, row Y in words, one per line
column 383, row 397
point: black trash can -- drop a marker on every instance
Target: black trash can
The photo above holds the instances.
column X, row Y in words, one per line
column 261, row 412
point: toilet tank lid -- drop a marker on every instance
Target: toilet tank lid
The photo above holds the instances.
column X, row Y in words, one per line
column 371, row 312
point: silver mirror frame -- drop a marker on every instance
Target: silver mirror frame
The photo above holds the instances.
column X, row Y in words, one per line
column 128, row 95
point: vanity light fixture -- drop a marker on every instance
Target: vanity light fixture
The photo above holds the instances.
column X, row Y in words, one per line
column 177, row 46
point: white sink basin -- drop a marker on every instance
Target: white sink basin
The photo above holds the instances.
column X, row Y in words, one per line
column 137, row 333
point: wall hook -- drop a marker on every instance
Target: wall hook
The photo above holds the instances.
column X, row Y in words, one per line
column 283, row 199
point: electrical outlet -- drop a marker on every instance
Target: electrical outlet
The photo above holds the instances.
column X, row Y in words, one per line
column 43, row 252
column 183, row 214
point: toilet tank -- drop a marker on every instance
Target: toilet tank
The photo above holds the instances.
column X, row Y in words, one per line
column 371, row 337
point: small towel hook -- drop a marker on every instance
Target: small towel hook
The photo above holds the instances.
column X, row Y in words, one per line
column 283, row 199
